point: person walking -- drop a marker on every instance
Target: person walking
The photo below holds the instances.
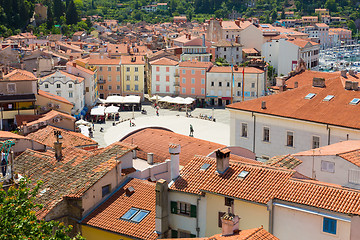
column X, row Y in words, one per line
column 157, row 112
column 191, row 131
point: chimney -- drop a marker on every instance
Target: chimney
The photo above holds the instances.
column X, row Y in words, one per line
column 263, row 105
column 134, row 154
column 348, row 85
column 319, row 82
column 189, row 36
column 81, row 46
column 230, row 224
column 237, row 22
column 74, row 64
column 150, row 158
column 203, row 40
column 58, row 152
column 237, row 39
column 343, row 73
column 222, row 160
column 174, row 150
column 352, row 73
column 129, row 191
column 161, row 209
column 296, row 85
column 71, row 58
column 355, row 86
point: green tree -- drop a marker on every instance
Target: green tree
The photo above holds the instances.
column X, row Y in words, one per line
column 351, row 25
column 274, row 16
column 283, row 14
column 71, row 14
column 59, row 9
column 50, row 18
column 331, row 5
column 18, row 219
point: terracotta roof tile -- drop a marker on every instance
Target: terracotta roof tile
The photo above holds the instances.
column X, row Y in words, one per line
column 306, row 78
column 107, row 215
column 286, row 161
column 196, row 64
column 10, row 135
column 50, row 115
column 292, row 104
column 104, row 62
column 227, row 69
column 164, row 61
column 53, row 97
column 77, row 171
column 70, row 139
column 20, row 75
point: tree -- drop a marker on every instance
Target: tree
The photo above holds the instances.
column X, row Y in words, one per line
column 331, row 5
column 18, row 219
column 274, row 16
column 50, row 18
column 283, row 14
column 59, row 9
column 351, row 25
column 71, row 14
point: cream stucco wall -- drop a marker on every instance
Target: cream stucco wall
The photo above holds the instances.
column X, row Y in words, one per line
column 252, row 215
column 91, row 233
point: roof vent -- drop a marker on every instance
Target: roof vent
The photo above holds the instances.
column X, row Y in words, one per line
column 355, row 86
column 243, row 174
column 318, row 82
column 205, row 166
column 343, row 73
column 129, row 191
column 348, row 85
column 296, row 84
column 352, row 73
column 263, row 105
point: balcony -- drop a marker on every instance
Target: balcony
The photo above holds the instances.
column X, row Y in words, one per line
column 177, row 84
column 101, row 81
column 176, row 93
column 176, row 74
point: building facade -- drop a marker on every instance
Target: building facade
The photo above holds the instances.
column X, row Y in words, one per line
column 164, row 77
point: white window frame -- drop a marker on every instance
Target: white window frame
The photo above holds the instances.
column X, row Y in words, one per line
column 288, row 134
column 327, row 166
column 312, row 142
column 263, row 137
column 242, row 130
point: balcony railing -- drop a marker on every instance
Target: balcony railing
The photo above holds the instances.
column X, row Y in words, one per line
column 101, row 81
column 177, row 84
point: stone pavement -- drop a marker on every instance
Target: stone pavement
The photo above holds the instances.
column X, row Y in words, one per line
column 176, row 121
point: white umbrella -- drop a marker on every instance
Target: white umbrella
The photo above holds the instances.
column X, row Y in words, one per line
column 82, row 122
column 166, row 99
column 155, row 96
column 112, row 109
column 114, row 99
column 189, row 99
column 131, row 99
column 98, row 111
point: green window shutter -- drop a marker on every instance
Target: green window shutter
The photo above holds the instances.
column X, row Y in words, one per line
column 192, row 235
column 174, row 234
column 193, row 211
column 174, row 208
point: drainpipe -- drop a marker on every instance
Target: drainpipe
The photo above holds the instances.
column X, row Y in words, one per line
column 271, row 216
column 328, row 128
column 197, row 217
column 254, row 125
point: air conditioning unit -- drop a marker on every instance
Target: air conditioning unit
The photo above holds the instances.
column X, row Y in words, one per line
column 43, row 108
column 50, row 105
column 57, row 106
column 42, row 123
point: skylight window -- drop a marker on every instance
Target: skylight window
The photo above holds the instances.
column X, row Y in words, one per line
column 355, row 101
column 328, row 98
column 135, row 215
column 310, row 96
column 243, row 174
column 205, row 166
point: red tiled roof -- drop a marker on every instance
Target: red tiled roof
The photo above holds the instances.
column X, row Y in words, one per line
column 20, row 75
column 164, row 61
column 104, row 61
column 107, row 215
column 196, row 64
column 53, row 97
column 227, row 69
column 353, row 157
column 287, row 161
column 260, row 185
column 50, row 115
column 70, row 139
column 10, row 135
column 138, row 60
column 157, row 141
column 73, row 175
column 306, row 78
column 292, row 104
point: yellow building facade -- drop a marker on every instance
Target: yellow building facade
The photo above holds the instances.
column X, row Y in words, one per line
column 91, row 233
column 132, row 75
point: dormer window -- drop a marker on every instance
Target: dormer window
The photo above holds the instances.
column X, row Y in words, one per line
column 355, row 101
column 310, row 96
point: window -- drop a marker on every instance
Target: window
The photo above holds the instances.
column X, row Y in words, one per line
column 109, row 78
column 110, row 87
column 202, row 72
column 229, row 201
column 355, row 101
column 58, row 85
column 127, row 77
column 100, row 69
column 329, row 225
column 70, row 94
column 167, row 88
column 315, row 142
column 192, row 90
column 158, row 88
column 193, row 81
column 11, row 87
column 205, row 166
column 136, row 87
column 168, row 78
column 224, row 49
column 193, row 72
column 105, row 190
column 203, row 81
column 310, row 96
column 184, row 80
column 136, row 69
column 101, row 87
column 167, row 69
column 128, row 87
column 109, row 69
column 118, row 78
column 118, row 69
column 244, row 130
column 136, row 78
column 183, row 71
column 266, row 134
column 135, row 215
column 212, row 84
column 157, row 78
column 117, row 87
column 87, row 89
column 327, row 166
column 252, row 85
column 253, row 94
column 220, row 84
column 183, row 208
column 239, row 84
column 128, row 69
column 228, row 84
column 290, row 139
column 46, row 85
column 58, row 93
column 183, row 90
column 203, row 91
column 157, row 69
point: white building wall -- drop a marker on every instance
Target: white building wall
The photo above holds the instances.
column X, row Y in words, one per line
column 252, row 37
column 303, row 132
column 298, row 225
column 187, row 223
column 163, row 83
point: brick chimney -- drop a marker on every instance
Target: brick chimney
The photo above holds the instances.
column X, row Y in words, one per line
column 74, row 64
column 343, row 73
column 222, row 160
column 174, row 150
column 318, row 82
column 58, row 150
column 161, row 207
column 230, row 224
